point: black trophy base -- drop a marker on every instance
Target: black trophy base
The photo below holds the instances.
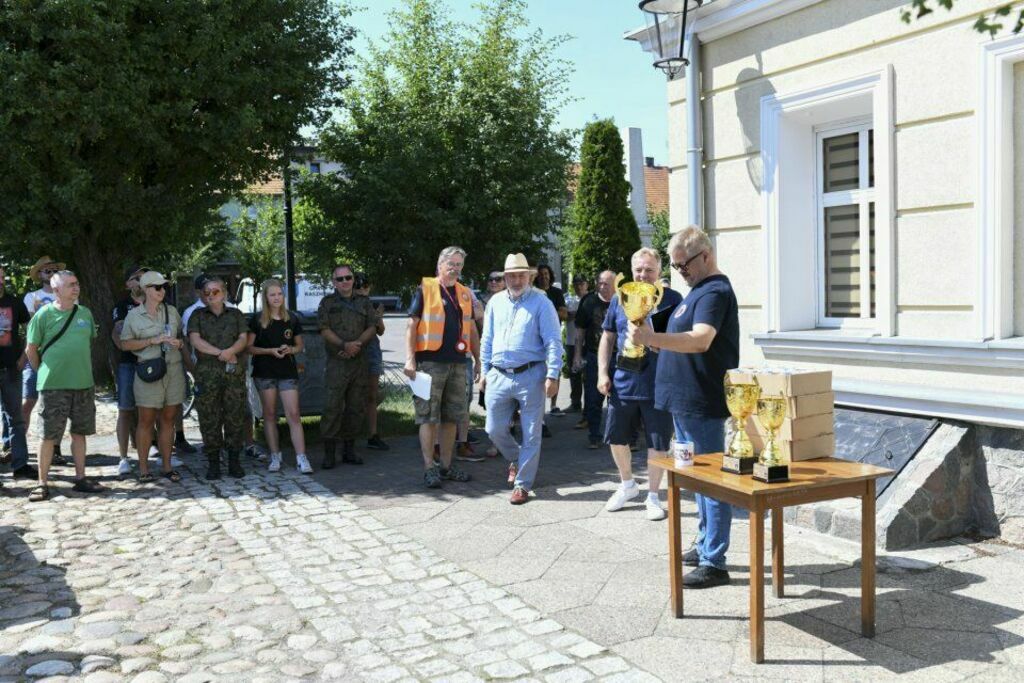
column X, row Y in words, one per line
column 772, row 474
column 737, row 464
column 630, row 364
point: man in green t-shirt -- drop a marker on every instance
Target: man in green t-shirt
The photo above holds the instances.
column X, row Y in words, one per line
column 59, row 347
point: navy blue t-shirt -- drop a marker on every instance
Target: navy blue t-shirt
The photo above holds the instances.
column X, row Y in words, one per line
column 690, row 384
column 448, row 353
column 637, row 386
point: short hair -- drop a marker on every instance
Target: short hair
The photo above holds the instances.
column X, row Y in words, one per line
column 448, row 252
column 645, row 251
column 609, row 271
column 57, row 279
column 690, row 240
column 344, row 265
column 214, row 278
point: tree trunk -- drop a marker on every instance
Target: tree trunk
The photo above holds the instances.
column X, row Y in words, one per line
column 96, row 276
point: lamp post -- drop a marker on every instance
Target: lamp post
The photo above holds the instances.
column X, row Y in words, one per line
column 666, row 23
column 289, row 243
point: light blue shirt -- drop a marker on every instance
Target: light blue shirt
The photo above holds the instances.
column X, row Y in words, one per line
column 521, row 331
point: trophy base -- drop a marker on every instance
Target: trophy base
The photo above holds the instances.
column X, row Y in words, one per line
column 738, row 464
column 631, row 364
column 771, row 474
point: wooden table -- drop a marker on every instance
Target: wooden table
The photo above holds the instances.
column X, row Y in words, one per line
column 812, row 481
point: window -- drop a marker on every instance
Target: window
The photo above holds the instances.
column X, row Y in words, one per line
column 845, row 194
column 314, row 167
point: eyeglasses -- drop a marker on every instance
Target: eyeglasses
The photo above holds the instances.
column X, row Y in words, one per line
column 681, row 267
column 344, row 278
column 212, row 292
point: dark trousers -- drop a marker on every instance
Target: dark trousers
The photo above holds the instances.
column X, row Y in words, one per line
column 10, row 392
column 593, row 401
column 575, row 379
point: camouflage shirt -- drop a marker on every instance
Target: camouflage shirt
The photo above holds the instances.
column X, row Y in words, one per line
column 220, row 330
column 347, row 318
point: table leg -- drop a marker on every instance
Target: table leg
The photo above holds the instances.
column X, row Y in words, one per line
column 675, row 548
column 757, row 586
column 867, row 560
column 778, row 564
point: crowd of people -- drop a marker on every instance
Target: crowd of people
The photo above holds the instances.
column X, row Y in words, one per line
column 509, row 341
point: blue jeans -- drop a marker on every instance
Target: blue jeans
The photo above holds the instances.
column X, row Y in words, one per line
column 593, row 400
column 504, row 394
column 713, row 516
column 10, row 393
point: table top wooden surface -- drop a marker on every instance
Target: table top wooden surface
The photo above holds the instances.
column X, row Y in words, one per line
column 806, row 475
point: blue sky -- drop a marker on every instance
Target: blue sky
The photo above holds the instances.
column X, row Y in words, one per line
column 613, row 77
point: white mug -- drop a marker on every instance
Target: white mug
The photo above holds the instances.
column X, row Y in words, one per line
column 683, row 453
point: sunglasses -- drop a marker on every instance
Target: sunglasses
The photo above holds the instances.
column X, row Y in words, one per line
column 681, row 267
column 47, row 272
column 212, row 292
column 495, row 279
column 344, row 278
column 154, row 286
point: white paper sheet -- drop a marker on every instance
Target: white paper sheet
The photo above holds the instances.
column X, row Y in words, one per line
column 421, row 385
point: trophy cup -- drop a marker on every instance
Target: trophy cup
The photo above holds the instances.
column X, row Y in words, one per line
column 741, row 399
column 771, row 411
column 637, row 300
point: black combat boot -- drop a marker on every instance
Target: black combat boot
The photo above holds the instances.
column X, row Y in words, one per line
column 330, row 445
column 348, row 452
column 235, row 465
column 213, row 465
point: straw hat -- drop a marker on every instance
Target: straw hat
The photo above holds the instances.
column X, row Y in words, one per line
column 33, row 272
column 517, row 263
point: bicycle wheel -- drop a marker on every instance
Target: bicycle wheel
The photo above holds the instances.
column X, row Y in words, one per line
column 190, row 395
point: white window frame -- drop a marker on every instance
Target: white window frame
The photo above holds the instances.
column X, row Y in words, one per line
column 862, row 198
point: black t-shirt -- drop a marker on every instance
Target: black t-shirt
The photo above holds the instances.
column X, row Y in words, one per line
column 12, row 315
column 277, row 333
column 556, row 297
column 589, row 320
column 691, row 384
column 121, row 309
column 448, row 353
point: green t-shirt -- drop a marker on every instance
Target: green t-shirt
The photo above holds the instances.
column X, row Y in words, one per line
column 68, row 363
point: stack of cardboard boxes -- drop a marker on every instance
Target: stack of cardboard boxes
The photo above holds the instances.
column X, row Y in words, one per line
column 809, row 429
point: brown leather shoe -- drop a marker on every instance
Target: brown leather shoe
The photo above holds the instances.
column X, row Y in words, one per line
column 513, row 470
column 519, row 496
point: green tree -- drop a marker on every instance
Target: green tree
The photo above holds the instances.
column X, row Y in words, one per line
column 986, row 23
column 259, row 240
column 125, row 124
column 602, row 230
column 660, row 238
column 448, row 137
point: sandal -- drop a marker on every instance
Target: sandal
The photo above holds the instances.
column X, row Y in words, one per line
column 147, row 478
column 39, row 493
column 171, row 476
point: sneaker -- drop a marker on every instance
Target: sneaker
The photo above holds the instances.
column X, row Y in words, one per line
column 655, row 512
column 519, row 496
column 513, row 470
column 25, row 472
column 275, row 462
column 705, row 577
column 582, row 424
column 691, row 558
column 465, row 453
column 254, row 451
column 124, row 468
column 622, row 495
column 377, row 444
column 302, row 463
column 594, row 443
column 545, row 431
column 556, row 411
column 432, row 477
column 454, row 474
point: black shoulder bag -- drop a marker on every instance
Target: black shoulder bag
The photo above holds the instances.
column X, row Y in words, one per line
column 154, row 369
column 67, row 324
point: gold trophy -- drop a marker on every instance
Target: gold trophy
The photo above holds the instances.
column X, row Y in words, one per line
column 741, row 399
column 771, row 412
column 637, row 300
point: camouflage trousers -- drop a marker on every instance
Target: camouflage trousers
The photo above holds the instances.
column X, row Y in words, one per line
column 223, row 415
column 345, row 409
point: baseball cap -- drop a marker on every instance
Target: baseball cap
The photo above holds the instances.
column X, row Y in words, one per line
column 201, row 281
column 151, row 277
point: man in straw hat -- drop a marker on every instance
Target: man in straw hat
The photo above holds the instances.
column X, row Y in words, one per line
column 41, row 272
column 521, row 355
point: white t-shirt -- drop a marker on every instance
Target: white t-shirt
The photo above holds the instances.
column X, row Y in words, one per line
column 37, row 299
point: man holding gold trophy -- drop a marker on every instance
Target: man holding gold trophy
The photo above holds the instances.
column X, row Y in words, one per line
column 630, row 387
column 701, row 342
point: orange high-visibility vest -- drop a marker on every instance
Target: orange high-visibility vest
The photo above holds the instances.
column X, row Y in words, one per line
column 430, row 330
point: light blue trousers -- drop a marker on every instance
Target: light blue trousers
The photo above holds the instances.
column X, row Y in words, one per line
column 505, row 393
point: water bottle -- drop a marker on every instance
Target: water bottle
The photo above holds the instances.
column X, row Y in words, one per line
column 164, row 346
column 230, row 368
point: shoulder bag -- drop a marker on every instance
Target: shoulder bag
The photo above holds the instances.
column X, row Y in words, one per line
column 154, row 369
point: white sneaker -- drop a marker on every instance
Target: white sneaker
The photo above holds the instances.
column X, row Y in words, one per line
column 302, row 462
column 124, row 468
column 275, row 462
column 622, row 495
column 655, row 512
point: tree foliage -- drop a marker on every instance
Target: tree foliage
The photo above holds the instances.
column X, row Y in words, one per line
column 660, row 237
column 259, row 239
column 125, row 124
column 448, row 137
column 986, row 23
column 602, row 230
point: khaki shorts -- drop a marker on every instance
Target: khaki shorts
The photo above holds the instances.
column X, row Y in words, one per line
column 169, row 390
column 447, row 394
column 57, row 406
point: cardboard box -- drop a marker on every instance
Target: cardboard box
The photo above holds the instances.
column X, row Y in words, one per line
column 823, row 446
column 795, row 382
column 799, row 428
column 810, row 404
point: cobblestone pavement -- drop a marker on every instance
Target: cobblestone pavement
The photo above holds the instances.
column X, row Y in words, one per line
column 360, row 574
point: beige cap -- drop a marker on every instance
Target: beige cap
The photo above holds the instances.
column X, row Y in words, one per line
column 151, row 277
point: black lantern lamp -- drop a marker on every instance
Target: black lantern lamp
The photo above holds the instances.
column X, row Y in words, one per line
column 666, row 24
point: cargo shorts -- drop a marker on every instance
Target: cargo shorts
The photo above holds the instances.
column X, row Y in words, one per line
column 57, row 406
column 447, row 393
